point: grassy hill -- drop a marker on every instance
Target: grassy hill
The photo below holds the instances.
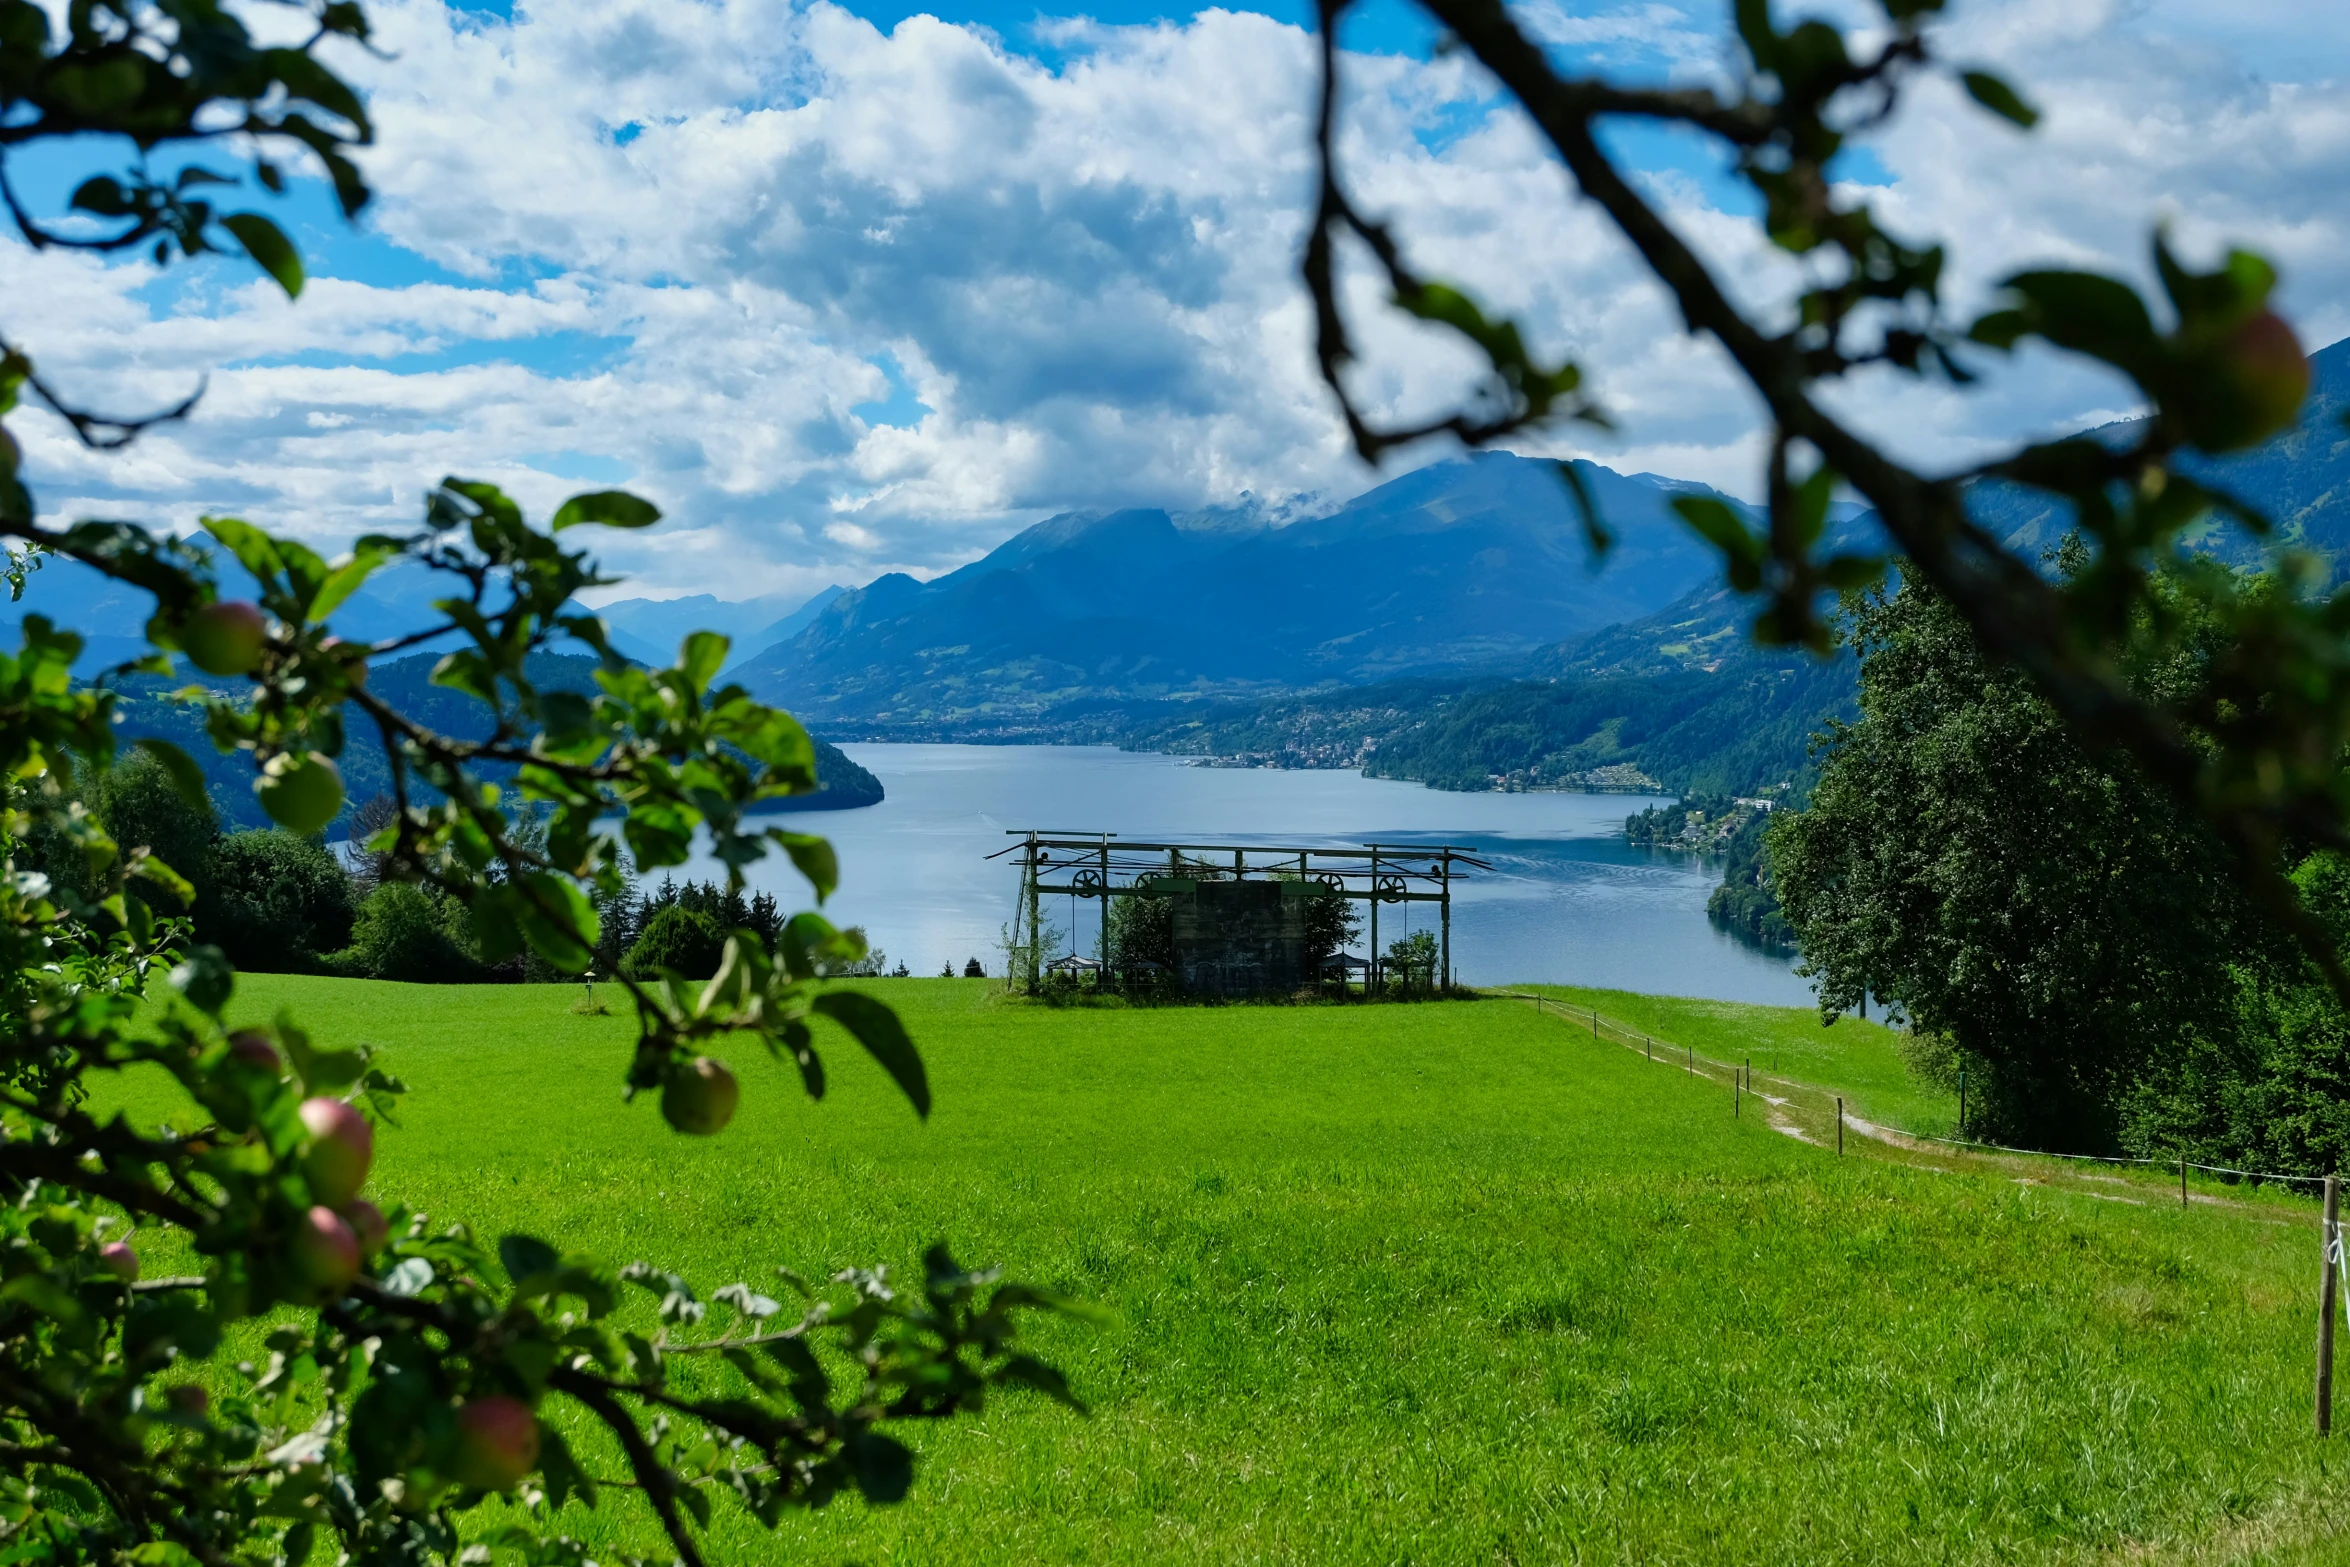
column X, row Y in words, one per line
column 1431, row 1284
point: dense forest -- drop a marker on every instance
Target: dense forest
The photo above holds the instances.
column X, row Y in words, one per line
column 1740, row 730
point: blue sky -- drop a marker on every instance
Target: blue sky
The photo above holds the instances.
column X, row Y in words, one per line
column 852, row 290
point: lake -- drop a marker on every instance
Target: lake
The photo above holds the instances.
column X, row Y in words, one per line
column 1568, row 900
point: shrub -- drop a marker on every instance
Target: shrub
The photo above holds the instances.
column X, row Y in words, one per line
column 402, row 933
column 683, row 940
column 274, row 902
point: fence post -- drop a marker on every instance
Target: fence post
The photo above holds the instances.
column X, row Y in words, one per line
column 2331, row 1236
column 1737, row 1096
column 1839, row 1125
column 2182, row 1180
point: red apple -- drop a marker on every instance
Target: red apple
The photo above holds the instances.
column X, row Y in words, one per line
column 699, row 1097
column 342, row 1145
column 188, row 1399
column 324, row 1253
column 225, row 638
column 250, row 1047
column 497, row 1443
column 117, row 1258
column 368, row 1224
column 300, row 793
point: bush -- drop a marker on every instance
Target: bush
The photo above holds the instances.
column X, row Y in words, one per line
column 682, row 940
column 273, row 902
column 402, row 933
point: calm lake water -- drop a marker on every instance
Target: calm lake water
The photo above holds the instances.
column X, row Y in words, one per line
column 1568, row 900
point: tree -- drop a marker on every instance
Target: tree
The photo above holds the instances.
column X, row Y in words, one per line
column 139, row 803
column 272, row 901
column 1411, row 962
column 2063, row 929
column 1746, row 903
column 2252, row 745
column 404, row 932
column 680, row 940
column 411, row 1369
column 1142, row 930
column 1332, row 926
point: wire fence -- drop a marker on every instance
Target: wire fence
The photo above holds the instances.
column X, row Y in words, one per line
column 1744, row 1077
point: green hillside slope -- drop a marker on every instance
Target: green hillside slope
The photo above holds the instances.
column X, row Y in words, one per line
column 1439, row 1284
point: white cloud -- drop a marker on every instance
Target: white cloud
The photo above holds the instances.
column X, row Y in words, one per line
column 1084, row 274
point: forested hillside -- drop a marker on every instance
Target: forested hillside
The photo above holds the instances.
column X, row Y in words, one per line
column 407, row 683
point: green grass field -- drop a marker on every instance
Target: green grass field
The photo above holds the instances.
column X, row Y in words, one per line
column 1850, row 1057
column 1429, row 1284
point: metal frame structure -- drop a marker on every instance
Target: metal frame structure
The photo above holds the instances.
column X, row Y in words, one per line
column 1103, row 866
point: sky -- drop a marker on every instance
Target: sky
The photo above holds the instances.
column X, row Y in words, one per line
column 855, row 289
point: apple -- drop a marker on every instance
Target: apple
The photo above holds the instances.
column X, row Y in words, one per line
column 117, row 1258
column 188, row 1399
column 368, row 1224
column 324, row 1253
column 224, row 638
column 342, row 1145
column 699, row 1097
column 2254, row 388
column 300, row 793
column 497, row 1443
column 250, row 1047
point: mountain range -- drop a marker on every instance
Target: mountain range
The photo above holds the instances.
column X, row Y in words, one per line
column 1449, row 625
column 1466, row 565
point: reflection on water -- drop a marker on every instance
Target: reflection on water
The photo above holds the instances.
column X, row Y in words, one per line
column 1568, row 901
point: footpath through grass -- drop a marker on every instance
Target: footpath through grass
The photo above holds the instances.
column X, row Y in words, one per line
column 1859, row 1059
column 1435, row 1283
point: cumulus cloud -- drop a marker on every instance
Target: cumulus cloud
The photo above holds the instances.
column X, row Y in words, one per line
column 750, row 227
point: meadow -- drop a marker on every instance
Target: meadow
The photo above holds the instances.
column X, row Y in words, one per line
column 1432, row 1283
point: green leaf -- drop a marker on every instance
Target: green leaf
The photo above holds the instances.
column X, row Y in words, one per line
column 877, row 1028
column 1844, row 573
column 701, row 656
column 205, row 979
column 345, row 579
column 1999, row 98
column 1028, row 1371
column 44, row 1295
column 102, row 196
column 557, row 920
column 814, row 858
column 1597, row 538
column 186, row 777
column 2083, row 311
column 267, row 244
column 254, row 550
column 525, row 1255
column 612, row 508
column 881, row 1466
column 1719, row 526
